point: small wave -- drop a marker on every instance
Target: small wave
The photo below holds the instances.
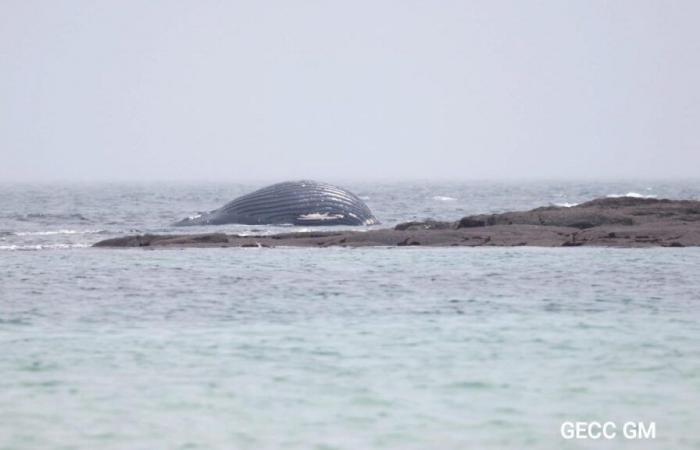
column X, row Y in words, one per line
column 566, row 204
column 631, row 194
column 55, row 232
column 364, row 197
column 31, row 217
column 41, row 247
column 443, row 198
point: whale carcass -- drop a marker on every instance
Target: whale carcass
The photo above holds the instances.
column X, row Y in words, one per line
column 307, row 203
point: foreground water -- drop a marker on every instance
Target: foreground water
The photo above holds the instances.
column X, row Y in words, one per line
column 335, row 348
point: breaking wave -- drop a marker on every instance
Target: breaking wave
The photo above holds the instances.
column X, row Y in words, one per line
column 53, row 232
column 631, row 194
column 41, row 247
column 32, row 217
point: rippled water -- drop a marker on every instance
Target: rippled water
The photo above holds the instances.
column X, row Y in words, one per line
column 335, row 348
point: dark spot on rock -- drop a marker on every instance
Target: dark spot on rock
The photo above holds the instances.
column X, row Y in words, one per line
column 582, row 225
column 467, row 222
column 408, row 241
column 428, row 224
column 676, row 244
column 211, row 238
column 571, row 244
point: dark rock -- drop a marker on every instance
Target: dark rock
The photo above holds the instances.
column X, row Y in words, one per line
column 582, row 225
column 128, row 241
column 621, row 202
column 572, row 244
column 211, row 238
column 428, row 224
column 407, row 241
column 468, row 222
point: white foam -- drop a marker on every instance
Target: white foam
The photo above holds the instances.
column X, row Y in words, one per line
column 630, row 194
column 55, row 232
column 41, row 247
column 443, row 198
column 566, row 204
column 320, row 216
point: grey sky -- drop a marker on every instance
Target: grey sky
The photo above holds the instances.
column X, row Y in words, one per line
column 168, row 90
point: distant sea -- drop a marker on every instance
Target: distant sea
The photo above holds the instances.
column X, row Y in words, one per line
column 388, row 348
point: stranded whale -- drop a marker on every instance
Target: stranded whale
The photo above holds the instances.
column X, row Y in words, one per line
column 293, row 202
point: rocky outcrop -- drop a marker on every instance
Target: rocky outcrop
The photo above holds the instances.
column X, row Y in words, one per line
column 148, row 240
column 613, row 222
column 605, row 211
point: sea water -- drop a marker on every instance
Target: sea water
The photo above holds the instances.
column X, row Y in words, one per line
column 336, row 348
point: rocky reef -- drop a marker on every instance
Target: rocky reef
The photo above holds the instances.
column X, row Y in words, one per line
column 607, row 222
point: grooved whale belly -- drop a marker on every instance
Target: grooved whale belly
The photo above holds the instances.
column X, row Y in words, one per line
column 296, row 202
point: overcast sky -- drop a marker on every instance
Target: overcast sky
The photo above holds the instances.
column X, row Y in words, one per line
column 271, row 90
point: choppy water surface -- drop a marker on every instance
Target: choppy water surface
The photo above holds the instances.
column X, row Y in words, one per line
column 335, row 348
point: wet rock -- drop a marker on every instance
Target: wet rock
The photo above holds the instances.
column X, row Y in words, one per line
column 468, row 222
column 428, row 224
column 408, row 241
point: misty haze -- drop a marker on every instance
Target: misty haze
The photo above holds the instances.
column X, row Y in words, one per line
column 234, row 91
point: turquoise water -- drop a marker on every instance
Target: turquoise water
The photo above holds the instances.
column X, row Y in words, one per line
column 340, row 348
column 401, row 348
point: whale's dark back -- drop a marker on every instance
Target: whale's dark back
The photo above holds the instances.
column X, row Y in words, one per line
column 295, row 202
